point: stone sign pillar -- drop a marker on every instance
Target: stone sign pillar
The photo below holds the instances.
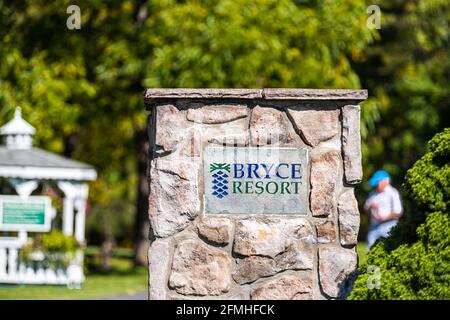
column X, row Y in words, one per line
column 251, row 193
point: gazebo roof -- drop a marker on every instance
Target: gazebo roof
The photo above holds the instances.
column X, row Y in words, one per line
column 36, row 163
column 21, row 160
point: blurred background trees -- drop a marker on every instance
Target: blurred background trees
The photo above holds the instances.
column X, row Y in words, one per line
column 407, row 72
column 83, row 88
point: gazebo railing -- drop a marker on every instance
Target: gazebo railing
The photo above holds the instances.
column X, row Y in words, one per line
column 15, row 271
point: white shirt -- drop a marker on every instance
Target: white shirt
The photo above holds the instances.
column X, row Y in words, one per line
column 388, row 201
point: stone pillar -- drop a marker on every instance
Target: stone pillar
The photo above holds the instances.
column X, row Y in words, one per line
column 251, row 193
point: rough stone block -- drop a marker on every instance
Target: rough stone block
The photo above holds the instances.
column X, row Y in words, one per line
column 169, row 121
column 252, row 268
column 326, row 231
column 337, row 270
column 239, row 140
column 268, row 126
column 315, row 125
column 284, row 288
column 158, row 258
column 215, row 230
column 351, row 144
column 270, row 246
column 324, row 176
column 214, row 114
column 269, row 237
column 174, row 200
column 231, row 133
column 348, row 218
column 199, row 269
column 190, row 144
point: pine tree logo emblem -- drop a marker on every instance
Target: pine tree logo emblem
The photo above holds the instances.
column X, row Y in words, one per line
column 220, row 173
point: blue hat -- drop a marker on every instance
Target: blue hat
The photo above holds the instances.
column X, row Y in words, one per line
column 378, row 176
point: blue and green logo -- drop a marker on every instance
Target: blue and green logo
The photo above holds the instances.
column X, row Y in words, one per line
column 220, row 173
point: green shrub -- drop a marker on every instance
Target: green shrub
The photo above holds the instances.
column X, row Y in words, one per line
column 414, row 262
column 56, row 241
column 52, row 249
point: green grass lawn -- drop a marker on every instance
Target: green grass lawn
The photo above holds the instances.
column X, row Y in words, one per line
column 362, row 252
column 123, row 279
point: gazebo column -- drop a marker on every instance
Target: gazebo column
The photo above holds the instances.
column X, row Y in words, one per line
column 69, row 196
column 67, row 219
column 75, row 200
column 80, row 218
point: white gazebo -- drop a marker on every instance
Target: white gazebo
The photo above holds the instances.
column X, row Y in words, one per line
column 25, row 168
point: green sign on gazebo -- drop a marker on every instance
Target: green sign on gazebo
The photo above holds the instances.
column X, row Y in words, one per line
column 30, row 214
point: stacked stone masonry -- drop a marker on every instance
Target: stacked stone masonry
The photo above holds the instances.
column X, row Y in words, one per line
column 194, row 255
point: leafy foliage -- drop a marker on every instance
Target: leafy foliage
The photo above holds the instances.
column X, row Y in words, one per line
column 82, row 89
column 52, row 249
column 264, row 43
column 56, row 241
column 415, row 259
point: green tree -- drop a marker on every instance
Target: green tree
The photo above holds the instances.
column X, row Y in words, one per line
column 81, row 89
column 264, row 43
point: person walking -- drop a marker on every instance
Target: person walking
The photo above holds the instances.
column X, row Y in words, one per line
column 384, row 206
